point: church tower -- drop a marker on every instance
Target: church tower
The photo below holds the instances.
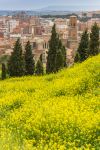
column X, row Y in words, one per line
column 35, row 26
column 72, row 34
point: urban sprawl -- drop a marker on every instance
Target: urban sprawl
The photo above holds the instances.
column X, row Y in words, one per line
column 37, row 30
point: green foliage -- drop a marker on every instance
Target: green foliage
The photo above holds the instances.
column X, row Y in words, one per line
column 57, row 111
column 41, row 59
column 39, row 68
column 88, row 47
column 94, row 40
column 77, row 57
column 4, row 59
column 64, row 56
column 57, row 53
column 60, row 16
column 62, row 51
column 83, row 50
column 29, row 61
column 51, row 66
column 16, row 63
column 59, row 60
column 3, row 76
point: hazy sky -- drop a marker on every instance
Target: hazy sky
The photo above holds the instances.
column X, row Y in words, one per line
column 34, row 4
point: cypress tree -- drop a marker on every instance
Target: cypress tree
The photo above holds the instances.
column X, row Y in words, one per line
column 29, row 61
column 16, row 63
column 59, row 60
column 3, row 71
column 41, row 58
column 39, row 68
column 57, row 53
column 77, row 57
column 64, row 56
column 53, row 46
column 94, row 40
column 63, row 51
column 83, row 50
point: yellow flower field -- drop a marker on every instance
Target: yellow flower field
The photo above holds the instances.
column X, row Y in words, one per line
column 54, row 112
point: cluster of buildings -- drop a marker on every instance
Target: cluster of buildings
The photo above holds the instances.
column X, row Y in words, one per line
column 38, row 31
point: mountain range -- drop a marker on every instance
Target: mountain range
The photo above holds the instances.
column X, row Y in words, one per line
column 71, row 8
column 54, row 10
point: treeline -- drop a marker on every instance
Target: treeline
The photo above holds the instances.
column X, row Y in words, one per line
column 89, row 44
column 59, row 16
column 82, row 19
column 23, row 63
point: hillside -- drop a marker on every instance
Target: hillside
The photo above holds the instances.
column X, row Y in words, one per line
column 55, row 112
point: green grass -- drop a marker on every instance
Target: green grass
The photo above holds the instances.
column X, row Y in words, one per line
column 54, row 112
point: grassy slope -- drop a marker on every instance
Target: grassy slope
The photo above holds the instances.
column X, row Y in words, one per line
column 58, row 111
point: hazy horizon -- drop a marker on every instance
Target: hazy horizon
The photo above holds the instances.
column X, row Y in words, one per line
column 39, row 4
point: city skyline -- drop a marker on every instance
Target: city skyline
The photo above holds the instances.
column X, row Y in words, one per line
column 32, row 4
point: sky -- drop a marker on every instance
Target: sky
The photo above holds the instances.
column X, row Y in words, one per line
column 37, row 4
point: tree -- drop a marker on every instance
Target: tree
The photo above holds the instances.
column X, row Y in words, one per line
column 41, row 57
column 63, row 51
column 39, row 67
column 77, row 57
column 65, row 56
column 94, row 40
column 83, row 49
column 56, row 55
column 53, row 46
column 29, row 61
column 59, row 60
column 3, row 71
column 16, row 63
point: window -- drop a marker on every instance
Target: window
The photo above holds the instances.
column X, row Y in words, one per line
column 34, row 44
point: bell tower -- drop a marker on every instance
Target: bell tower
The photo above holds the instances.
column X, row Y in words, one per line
column 72, row 34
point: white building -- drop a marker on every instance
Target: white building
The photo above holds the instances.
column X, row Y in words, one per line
column 12, row 24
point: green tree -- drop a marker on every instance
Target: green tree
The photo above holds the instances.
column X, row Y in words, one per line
column 94, row 40
column 83, row 49
column 63, row 51
column 29, row 61
column 53, row 46
column 16, row 63
column 59, row 60
column 39, row 67
column 3, row 71
column 64, row 55
column 56, row 54
column 77, row 57
column 41, row 58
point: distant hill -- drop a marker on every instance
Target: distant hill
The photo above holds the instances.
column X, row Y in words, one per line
column 71, row 8
column 54, row 10
column 36, row 12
